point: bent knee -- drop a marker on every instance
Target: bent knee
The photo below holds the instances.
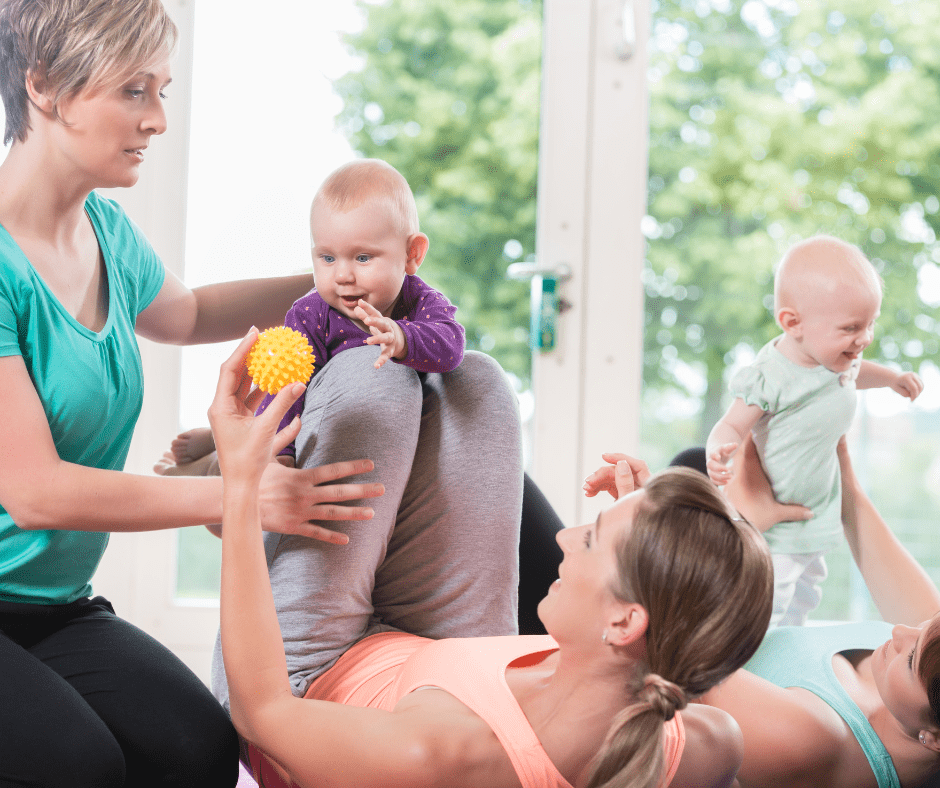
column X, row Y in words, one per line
column 78, row 760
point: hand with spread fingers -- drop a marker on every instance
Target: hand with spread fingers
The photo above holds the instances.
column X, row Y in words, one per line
column 247, row 446
column 386, row 333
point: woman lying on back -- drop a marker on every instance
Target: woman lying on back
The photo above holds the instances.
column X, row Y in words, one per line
column 658, row 600
column 845, row 706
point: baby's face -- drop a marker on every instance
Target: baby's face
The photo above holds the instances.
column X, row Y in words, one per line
column 837, row 330
column 358, row 254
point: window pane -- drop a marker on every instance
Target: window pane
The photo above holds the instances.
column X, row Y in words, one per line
column 262, row 139
column 447, row 93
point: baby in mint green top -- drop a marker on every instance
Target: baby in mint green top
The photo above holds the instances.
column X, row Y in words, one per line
column 91, row 388
column 798, row 399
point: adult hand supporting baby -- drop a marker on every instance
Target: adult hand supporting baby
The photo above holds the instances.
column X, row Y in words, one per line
column 749, row 491
column 289, row 498
column 622, row 476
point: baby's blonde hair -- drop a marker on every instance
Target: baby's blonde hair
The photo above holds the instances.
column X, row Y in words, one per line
column 352, row 184
column 821, row 264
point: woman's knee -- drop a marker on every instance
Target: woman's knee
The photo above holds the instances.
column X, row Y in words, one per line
column 199, row 750
column 485, row 369
column 351, row 407
column 78, row 758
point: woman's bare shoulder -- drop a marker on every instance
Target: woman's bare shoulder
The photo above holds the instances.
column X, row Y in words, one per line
column 791, row 737
column 714, row 749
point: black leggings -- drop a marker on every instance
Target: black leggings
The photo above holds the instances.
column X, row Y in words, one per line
column 539, row 555
column 87, row 699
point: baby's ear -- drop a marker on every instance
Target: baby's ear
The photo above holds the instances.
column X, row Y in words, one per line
column 417, row 247
column 789, row 320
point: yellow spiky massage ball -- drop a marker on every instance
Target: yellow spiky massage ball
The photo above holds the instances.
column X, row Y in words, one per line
column 280, row 356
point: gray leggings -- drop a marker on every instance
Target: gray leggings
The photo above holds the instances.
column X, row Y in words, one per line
column 440, row 557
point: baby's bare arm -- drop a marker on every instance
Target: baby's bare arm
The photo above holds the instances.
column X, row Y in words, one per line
column 873, row 376
column 726, row 436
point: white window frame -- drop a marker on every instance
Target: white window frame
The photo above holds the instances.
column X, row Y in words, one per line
column 138, row 572
column 593, row 166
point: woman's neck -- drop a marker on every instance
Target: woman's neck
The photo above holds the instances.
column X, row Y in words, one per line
column 35, row 200
column 571, row 702
column 912, row 761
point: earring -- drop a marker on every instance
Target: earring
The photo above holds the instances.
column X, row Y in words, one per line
column 923, row 739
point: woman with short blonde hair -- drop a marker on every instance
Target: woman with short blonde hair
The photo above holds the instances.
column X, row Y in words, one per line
column 86, row 699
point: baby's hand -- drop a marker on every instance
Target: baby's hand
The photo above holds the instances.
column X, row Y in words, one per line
column 717, row 463
column 385, row 332
column 908, row 384
column 623, row 475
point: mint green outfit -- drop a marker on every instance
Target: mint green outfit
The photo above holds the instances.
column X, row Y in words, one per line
column 91, row 388
column 807, row 410
column 802, row 657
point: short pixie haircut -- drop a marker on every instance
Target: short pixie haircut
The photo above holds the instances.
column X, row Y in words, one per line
column 68, row 45
column 351, row 184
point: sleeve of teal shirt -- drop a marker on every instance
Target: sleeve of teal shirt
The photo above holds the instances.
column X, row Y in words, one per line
column 138, row 263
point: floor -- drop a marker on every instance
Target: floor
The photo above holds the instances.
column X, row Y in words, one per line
column 244, row 778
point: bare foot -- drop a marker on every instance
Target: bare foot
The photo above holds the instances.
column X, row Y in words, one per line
column 192, row 445
column 168, row 466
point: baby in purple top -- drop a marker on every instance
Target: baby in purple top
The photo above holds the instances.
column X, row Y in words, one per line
column 366, row 249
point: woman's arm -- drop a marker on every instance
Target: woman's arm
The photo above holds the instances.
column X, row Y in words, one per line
column 218, row 312
column 714, row 749
column 749, row 491
column 902, row 591
column 317, row 742
column 790, row 739
column 41, row 491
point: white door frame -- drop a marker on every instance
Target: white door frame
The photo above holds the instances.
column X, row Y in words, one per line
column 592, row 196
column 138, row 572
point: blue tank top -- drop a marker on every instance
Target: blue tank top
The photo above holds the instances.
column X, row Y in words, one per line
column 802, row 657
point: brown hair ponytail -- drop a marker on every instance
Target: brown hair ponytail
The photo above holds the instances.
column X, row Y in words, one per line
column 632, row 753
column 705, row 578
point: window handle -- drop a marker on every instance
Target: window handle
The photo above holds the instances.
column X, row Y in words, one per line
column 546, row 303
column 627, row 46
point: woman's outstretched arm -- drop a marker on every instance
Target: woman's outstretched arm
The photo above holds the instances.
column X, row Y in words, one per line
column 92, row 499
column 902, row 591
column 317, row 743
column 218, row 312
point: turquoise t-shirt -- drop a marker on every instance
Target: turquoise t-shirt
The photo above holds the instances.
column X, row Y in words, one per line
column 807, row 410
column 91, row 388
column 802, row 657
